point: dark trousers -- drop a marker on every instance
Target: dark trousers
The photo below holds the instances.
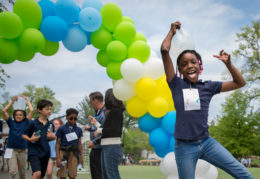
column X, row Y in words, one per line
column 95, row 164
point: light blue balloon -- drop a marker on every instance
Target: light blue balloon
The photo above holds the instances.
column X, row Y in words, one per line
column 163, row 152
column 159, row 139
column 76, row 40
column 147, row 123
column 90, row 19
column 54, row 28
column 47, row 8
column 168, row 122
column 97, row 4
column 68, row 10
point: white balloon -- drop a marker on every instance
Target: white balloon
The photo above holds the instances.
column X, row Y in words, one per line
column 181, row 41
column 169, row 164
column 172, row 177
column 123, row 90
column 212, row 173
column 153, row 68
column 132, row 69
column 202, row 167
column 163, row 169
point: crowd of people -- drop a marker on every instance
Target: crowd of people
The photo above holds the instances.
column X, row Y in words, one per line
column 48, row 144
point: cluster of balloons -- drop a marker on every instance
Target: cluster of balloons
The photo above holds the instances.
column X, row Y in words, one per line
column 39, row 26
column 204, row 170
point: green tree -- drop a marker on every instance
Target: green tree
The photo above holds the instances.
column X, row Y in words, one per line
column 248, row 55
column 3, row 76
column 135, row 142
column 35, row 94
column 239, row 127
column 85, row 110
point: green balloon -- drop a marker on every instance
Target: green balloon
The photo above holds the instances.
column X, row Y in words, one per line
column 139, row 50
column 11, row 25
column 50, row 48
column 29, row 12
column 113, row 70
column 25, row 55
column 128, row 19
column 125, row 32
column 8, row 51
column 111, row 16
column 101, row 38
column 102, row 58
column 117, row 51
column 140, row 36
column 32, row 40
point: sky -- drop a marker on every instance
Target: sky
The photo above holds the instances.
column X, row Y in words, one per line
column 213, row 25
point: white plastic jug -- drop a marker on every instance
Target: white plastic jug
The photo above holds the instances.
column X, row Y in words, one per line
column 181, row 41
column 20, row 104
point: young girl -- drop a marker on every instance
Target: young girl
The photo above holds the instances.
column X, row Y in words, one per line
column 52, row 160
column 191, row 98
column 111, row 134
column 15, row 141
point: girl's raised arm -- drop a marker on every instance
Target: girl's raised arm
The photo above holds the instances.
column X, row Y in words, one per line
column 238, row 80
column 5, row 113
column 165, row 48
column 30, row 114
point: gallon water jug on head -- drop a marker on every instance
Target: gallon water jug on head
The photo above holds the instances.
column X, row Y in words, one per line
column 20, row 104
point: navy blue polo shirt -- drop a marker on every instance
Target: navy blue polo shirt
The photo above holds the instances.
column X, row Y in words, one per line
column 66, row 129
column 16, row 129
column 41, row 147
column 192, row 125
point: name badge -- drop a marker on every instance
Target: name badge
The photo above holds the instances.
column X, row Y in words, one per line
column 71, row 136
column 8, row 153
column 191, row 99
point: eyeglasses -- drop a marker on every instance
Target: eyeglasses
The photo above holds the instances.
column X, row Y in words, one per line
column 73, row 118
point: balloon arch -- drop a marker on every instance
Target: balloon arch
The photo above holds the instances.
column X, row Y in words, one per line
column 138, row 74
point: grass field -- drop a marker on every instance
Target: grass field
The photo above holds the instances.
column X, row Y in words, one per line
column 153, row 172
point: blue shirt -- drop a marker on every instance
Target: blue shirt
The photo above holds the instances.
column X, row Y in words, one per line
column 66, row 129
column 100, row 117
column 15, row 140
column 52, row 148
column 41, row 147
column 192, row 125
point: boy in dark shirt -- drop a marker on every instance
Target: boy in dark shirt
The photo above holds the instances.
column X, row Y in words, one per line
column 38, row 134
column 68, row 146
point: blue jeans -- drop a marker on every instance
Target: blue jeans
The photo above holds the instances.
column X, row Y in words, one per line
column 110, row 160
column 187, row 154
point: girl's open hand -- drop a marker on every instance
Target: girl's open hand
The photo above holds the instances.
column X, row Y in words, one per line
column 15, row 99
column 175, row 25
column 224, row 57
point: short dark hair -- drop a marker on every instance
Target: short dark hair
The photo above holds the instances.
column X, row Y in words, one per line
column 188, row 51
column 96, row 95
column 43, row 103
column 112, row 102
column 24, row 113
column 71, row 111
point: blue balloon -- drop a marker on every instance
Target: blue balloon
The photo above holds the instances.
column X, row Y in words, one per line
column 159, row 139
column 97, row 4
column 54, row 28
column 172, row 144
column 90, row 19
column 88, row 36
column 68, row 10
column 47, row 8
column 147, row 123
column 76, row 40
column 163, row 152
column 168, row 122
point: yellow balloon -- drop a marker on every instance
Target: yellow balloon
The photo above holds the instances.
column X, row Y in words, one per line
column 146, row 88
column 158, row 107
column 171, row 105
column 136, row 107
